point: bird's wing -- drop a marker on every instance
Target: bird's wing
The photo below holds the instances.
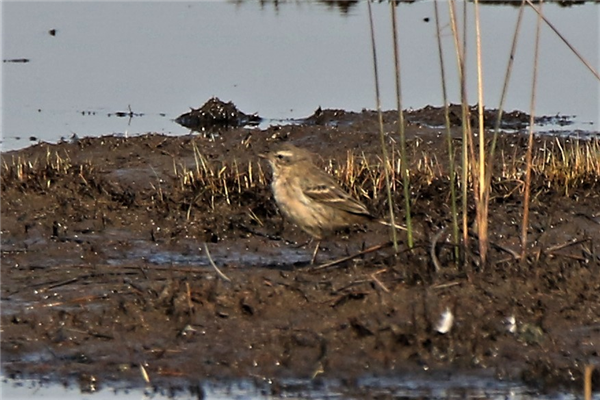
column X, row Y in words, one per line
column 327, row 191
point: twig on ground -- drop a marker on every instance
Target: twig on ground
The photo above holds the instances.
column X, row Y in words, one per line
column 572, row 242
column 350, row 257
column 508, row 250
column 189, row 297
column 434, row 257
column 212, row 263
column 571, row 256
column 351, row 284
column 61, row 283
column 445, row 285
column 171, row 268
column 145, row 375
column 377, row 281
column 78, row 300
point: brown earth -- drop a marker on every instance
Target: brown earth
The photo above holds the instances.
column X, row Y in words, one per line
column 104, row 269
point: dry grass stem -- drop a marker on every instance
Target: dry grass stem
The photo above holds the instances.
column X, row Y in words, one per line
column 212, row 263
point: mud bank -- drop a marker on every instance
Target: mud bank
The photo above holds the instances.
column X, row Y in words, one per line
column 104, row 268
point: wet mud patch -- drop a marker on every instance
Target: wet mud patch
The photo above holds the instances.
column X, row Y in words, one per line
column 105, row 273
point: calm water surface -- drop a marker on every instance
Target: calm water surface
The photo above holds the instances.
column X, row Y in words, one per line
column 282, row 61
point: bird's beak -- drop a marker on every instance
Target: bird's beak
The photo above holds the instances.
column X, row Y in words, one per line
column 263, row 155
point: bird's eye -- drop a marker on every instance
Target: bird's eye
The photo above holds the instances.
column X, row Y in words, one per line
column 279, row 156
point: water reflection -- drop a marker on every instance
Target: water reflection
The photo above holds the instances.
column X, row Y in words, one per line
column 407, row 387
column 345, row 6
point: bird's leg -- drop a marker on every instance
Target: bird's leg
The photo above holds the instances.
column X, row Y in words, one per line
column 314, row 256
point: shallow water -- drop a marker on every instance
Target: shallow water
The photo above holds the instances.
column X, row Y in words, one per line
column 405, row 388
column 282, row 60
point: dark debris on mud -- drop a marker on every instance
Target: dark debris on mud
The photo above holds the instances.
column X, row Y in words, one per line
column 214, row 116
column 104, row 272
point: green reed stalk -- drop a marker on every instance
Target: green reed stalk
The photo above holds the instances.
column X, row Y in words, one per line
column 381, row 132
column 466, row 126
column 526, row 199
column 455, row 233
column 401, row 131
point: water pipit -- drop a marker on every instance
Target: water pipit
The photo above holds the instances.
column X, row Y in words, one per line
column 309, row 197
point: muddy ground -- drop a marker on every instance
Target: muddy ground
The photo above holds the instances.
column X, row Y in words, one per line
column 105, row 276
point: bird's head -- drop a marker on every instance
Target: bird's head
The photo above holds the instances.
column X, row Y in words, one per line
column 286, row 156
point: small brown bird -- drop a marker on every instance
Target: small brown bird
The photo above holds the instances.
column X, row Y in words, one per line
column 311, row 198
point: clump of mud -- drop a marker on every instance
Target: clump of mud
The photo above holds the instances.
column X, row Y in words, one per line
column 216, row 115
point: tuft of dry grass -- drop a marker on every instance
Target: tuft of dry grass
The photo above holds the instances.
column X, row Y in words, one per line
column 42, row 174
column 570, row 164
column 562, row 164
